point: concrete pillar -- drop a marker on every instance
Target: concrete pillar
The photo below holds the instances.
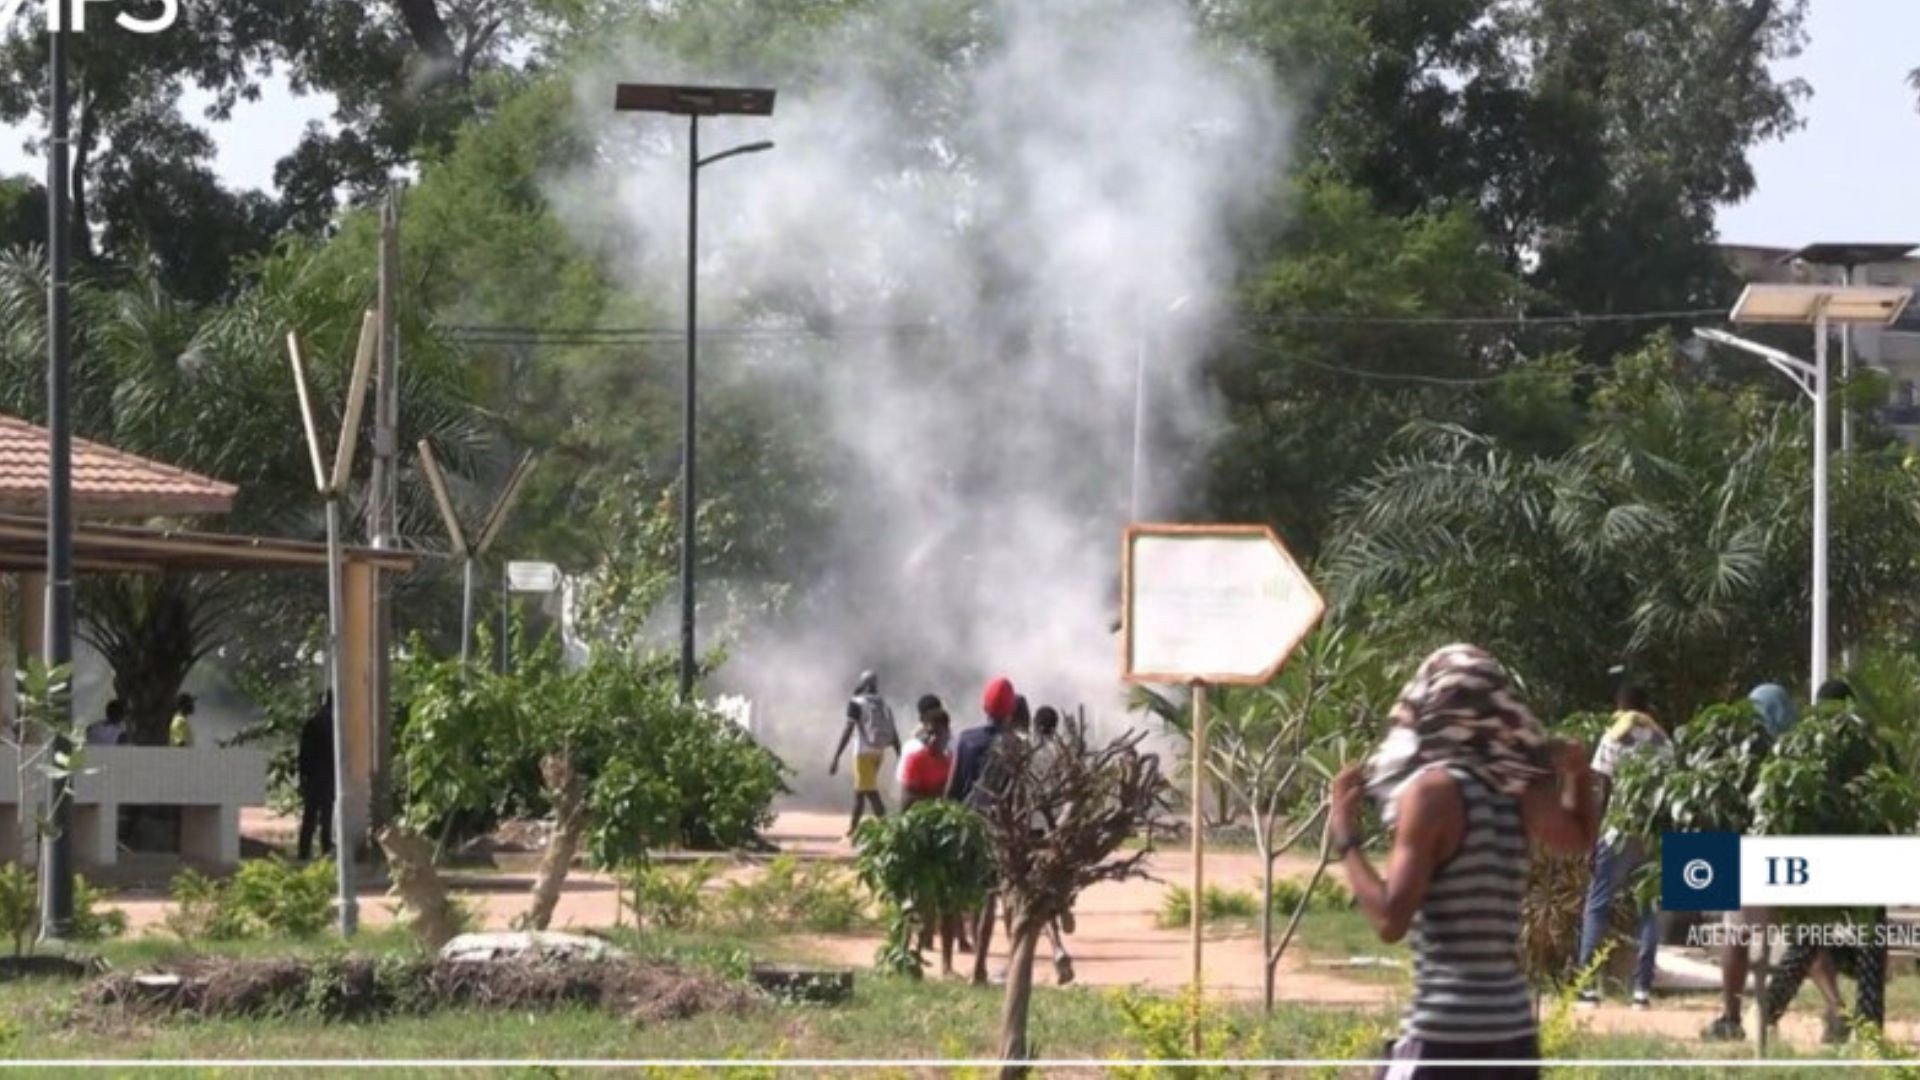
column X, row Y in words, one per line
column 357, row 663
column 210, row 835
column 96, row 834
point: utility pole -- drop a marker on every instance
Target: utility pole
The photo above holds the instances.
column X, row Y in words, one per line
column 383, row 513
column 56, row 856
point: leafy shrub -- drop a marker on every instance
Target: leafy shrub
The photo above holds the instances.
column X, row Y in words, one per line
column 1161, row 1029
column 1176, row 905
column 1359, row 1041
column 668, row 898
column 663, row 770
column 810, row 896
column 1328, row 895
column 1559, row 1031
column 924, row 866
column 265, row 896
column 282, row 898
column 92, row 921
column 19, row 906
column 204, row 909
column 1704, row 785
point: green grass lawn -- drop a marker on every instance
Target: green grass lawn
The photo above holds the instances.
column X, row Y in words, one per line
column 888, row 1018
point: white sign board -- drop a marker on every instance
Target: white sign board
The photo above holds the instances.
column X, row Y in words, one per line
column 538, row 577
column 1214, row 604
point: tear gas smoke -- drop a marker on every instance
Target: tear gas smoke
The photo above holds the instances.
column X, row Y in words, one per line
column 1050, row 189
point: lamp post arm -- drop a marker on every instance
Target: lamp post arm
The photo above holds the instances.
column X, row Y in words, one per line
column 749, row 148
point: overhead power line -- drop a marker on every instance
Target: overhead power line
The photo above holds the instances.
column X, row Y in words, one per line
column 594, row 335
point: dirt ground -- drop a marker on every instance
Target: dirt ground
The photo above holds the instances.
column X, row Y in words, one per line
column 1118, row 942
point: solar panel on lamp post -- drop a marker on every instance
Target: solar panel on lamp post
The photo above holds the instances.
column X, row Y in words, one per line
column 1817, row 306
column 693, row 102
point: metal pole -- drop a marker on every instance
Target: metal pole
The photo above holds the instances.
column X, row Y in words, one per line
column 1199, row 843
column 56, row 879
column 1846, row 372
column 466, row 611
column 1819, row 502
column 687, row 503
column 506, row 617
column 1139, row 426
column 382, row 512
column 343, row 844
column 1846, row 418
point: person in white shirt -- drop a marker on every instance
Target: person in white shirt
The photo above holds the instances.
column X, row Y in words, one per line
column 871, row 721
column 111, row 731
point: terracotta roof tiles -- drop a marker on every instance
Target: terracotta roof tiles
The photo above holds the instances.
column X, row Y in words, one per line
column 106, row 482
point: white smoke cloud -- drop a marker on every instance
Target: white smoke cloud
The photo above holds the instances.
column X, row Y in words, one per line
column 1058, row 198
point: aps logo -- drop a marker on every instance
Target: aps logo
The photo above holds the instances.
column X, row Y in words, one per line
column 154, row 15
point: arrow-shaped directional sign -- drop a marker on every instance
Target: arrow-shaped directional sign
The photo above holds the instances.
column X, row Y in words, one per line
column 1211, row 603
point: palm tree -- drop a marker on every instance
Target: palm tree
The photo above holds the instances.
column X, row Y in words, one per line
column 1674, row 537
column 209, row 390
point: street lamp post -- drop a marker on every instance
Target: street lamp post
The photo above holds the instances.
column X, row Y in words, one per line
column 1848, row 258
column 693, row 102
column 56, row 848
column 1818, row 306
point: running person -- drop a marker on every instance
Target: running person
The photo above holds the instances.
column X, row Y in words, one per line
column 1465, row 779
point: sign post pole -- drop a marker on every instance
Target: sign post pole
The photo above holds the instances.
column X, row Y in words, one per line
column 1209, row 605
column 1198, row 810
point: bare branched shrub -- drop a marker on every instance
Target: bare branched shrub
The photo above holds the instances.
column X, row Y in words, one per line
column 1096, row 799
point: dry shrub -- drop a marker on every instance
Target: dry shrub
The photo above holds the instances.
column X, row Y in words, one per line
column 353, row 988
column 1550, row 915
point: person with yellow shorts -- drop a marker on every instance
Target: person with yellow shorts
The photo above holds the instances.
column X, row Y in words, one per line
column 870, row 728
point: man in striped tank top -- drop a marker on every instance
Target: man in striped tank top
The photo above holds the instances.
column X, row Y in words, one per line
column 1466, row 779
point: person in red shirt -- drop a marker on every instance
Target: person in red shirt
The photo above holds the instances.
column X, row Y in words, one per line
column 926, row 765
column 927, row 761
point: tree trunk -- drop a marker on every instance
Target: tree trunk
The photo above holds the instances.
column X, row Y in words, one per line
column 565, row 786
column 410, row 858
column 1293, row 922
column 1266, row 916
column 1019, row 997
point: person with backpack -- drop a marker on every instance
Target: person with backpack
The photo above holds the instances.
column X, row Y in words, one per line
column 1616, row 857
column 870, row 728
column 972, row 785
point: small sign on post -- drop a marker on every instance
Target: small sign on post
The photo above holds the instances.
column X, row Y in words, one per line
column 533, row 577
column 1209, row 604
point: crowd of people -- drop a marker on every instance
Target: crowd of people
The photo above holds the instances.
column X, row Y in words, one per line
column 1469, row 785
column 935, row 764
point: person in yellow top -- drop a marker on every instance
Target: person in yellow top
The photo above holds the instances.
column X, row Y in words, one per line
column 180, row 731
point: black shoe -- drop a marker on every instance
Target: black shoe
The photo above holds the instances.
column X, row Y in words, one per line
column 1724, row 1029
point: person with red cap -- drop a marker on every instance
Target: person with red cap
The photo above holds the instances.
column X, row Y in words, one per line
column 975, row 745
column 972, row 753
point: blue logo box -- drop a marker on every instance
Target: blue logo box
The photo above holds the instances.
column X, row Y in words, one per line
column 1700, row 871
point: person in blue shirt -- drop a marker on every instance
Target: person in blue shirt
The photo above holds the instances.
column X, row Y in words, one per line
column 972, row 757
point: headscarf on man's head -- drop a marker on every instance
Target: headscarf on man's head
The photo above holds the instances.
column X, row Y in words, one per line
column 997, row 700
column 1775, row 707
column 1459, row 711
column 869, row 684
